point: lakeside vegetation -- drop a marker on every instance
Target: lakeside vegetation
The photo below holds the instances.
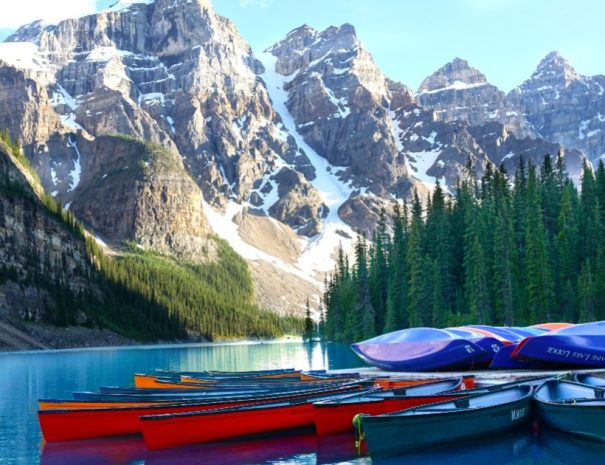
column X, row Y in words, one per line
column 496, row 252
column 140, row 294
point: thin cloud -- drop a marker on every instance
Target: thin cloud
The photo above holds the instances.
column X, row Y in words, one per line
column 26, row 11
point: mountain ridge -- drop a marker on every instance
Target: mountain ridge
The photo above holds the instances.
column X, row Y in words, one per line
column 285, row 153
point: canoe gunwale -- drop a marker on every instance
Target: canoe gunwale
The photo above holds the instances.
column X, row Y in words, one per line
column 393, row 416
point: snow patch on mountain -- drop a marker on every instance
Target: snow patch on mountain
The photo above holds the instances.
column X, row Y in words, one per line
column 332, row 190
column 23, row 55
column 122, row 5
column 456, row 85
column 76, row 173
column 228, row 229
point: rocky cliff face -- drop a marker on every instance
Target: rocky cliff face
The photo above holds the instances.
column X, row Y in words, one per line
column 284, row 154
column 33, row 245
column 458, row 92
column 142, row 194
column 177, row 74
column 564, row 106
column 341, row 104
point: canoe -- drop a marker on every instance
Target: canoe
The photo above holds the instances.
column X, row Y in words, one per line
column 445, row 422
column 580, row 345
column 218, row 375
column 109, row 400
column 144, row 395
column 164, row 431
column 336, row 415
column 68, row 423
column 221, row 389
column 171, row 396
column 333, row 416
column 191, row 380
column 590, row 379
column 393, row 382
column 503, row 360
column 552, row 326
column 572, row 407
column 419, row 349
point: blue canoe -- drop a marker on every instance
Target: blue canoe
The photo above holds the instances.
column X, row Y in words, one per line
column 503, row 360
column 581, row 345
column 590, row 379
column 571, row 407
column 420, row 349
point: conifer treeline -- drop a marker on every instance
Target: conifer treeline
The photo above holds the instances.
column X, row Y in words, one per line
column 142, row 295
column 495, row 252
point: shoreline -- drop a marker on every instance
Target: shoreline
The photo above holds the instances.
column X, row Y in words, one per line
column 147, row 346
column 24, row 336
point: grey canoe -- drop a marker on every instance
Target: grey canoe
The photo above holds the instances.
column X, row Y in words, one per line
column 572, row 407
column 446, row 422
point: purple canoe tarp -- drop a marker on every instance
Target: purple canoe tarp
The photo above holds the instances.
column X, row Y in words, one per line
column 579, row 345
column 420, row 349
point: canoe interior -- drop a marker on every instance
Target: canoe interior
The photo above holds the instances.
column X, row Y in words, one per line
column 413, row 391
column 499, row 397
column 591, row 379
column 560, row 391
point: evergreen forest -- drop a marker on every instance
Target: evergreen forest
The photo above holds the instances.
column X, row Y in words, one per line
column 497, row 251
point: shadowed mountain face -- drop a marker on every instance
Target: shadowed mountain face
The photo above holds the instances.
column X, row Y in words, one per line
column 284, row 152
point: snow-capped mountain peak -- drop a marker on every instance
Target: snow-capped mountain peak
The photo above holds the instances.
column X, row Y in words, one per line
column 555, row 68
column 455, row 75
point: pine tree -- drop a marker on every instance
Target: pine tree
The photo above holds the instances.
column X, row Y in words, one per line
column 396, row 316
column 417, row 293
column 540, row 286
column 476, row 273
column 504, row 261
column 378, row 271
column 364, row 309
column 309, row 328
column 567, row 246
column 586, row 293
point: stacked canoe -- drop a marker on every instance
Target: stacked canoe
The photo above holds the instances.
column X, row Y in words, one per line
column 396, row 416
column 545, row 346
column 573, row 407
column 185, row 408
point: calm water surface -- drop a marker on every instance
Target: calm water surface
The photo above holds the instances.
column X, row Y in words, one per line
column 26, row 377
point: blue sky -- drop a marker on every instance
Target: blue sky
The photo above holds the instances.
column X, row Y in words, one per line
column 505, row 39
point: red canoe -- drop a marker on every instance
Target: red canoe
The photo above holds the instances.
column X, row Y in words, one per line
column 163, row 431
column 71, row 424
column 336, row 415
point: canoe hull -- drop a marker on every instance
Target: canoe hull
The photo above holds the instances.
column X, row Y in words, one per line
column 333, row 419
column 72, row 425
column 64, row 424
column 503, row 360
column 394, row 435
column 581, row 345
column 420, row 356
column 581, row 420
column 161, row 433
column 562, row 351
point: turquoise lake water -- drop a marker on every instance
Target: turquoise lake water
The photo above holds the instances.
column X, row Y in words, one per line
column 26, row 377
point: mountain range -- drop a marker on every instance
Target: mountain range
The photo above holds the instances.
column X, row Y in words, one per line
column 285, row 153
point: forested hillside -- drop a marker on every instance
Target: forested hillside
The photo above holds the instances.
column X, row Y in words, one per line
column 494, row 252
column 52, row 271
